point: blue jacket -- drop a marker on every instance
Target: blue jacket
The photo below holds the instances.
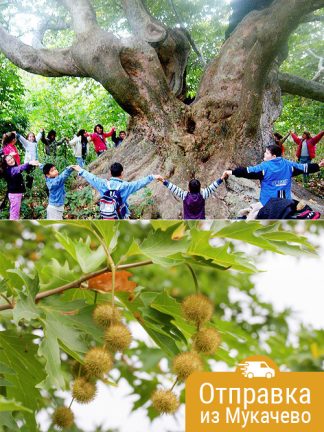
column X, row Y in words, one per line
column 125, row 188
column 56, row 187
column 277, row 173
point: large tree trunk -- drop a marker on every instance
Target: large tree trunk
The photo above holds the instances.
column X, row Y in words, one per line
column 229, row 123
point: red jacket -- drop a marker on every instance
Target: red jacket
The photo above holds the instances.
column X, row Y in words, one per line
column 99, row 141
column 311, row 143
column 11, row 148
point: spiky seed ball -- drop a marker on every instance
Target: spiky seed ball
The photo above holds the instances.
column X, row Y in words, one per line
column 63, row 417
column 84, row 391
column 78, row 369
column 206, row 341
column 105, row 314
column 97, row 362
column 197, row 308
column 165, row 401
column 185, row 364
column 117, row 337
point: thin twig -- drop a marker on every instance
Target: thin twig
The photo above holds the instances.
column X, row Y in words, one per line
column 78, row 282
column 193, row 274
column 174, row 384
column 111, row 264
column 6, row 298
column 187, row 33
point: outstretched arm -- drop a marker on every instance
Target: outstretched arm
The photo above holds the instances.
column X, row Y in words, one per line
column 295, row 138
column 136, row 185
column 243, row 172
column 23, row 141
column 284, row 138
column 209, row 190
column 178, row 192
column 61, row 179
column 307, row 168
column 317, row 138
column 18, row 169
column 96, row 182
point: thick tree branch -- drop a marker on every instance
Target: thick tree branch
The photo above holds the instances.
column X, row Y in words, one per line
column 143, row 23
column 77, row 283
column 51, row 63
column 82, row 13
column 171, row 45
column 47, row 24
column 301, row 87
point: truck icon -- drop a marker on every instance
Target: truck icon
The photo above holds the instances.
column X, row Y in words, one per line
column 256, row 369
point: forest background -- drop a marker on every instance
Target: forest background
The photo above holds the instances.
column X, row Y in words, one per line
column 31, row 102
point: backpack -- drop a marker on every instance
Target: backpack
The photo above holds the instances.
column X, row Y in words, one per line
column 111, row 205
column 306, row 213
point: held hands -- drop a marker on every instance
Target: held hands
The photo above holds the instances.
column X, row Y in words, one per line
column 158, row 178
column 226, row 174
column 76, row 167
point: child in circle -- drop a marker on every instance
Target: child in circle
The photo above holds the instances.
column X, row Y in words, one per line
column 79, row 145
column 9, row 146
column 30, row 145
column 12, row 174
column 194, row 199
column 98, row 137
column 55, row 184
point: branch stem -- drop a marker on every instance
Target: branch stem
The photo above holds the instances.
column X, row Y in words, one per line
column 174, row 384
column 193, row 274
column 78, row 282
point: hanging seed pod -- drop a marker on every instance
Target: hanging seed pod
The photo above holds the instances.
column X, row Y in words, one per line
column 206, row 341
column 197, row 308
column 97, row 362
column 105, row 314
column 83, row 390
column 185, row 364
column 165, row 401
column 63, row 417
column 117, row 338
column 77, row 369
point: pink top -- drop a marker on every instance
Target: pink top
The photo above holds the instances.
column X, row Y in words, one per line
column 11, row 148
column 99, row 141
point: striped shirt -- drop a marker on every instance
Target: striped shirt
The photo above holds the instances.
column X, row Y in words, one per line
column 180, row 193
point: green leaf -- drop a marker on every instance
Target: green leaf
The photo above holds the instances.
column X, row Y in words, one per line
column 55, row 274
column 109, row 232
column 58, row 333
column 168, row 305
column 18, row 352
column 160, row 248
column 25, row 307
column 7, row 420
column 88, row 259
column 153, row 325
column 219, row 255
column 266, row 237
column 31, row 283
column 50, row 350
column 11, row 405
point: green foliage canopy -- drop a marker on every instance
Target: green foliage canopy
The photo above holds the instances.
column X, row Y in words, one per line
column 46, row 308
